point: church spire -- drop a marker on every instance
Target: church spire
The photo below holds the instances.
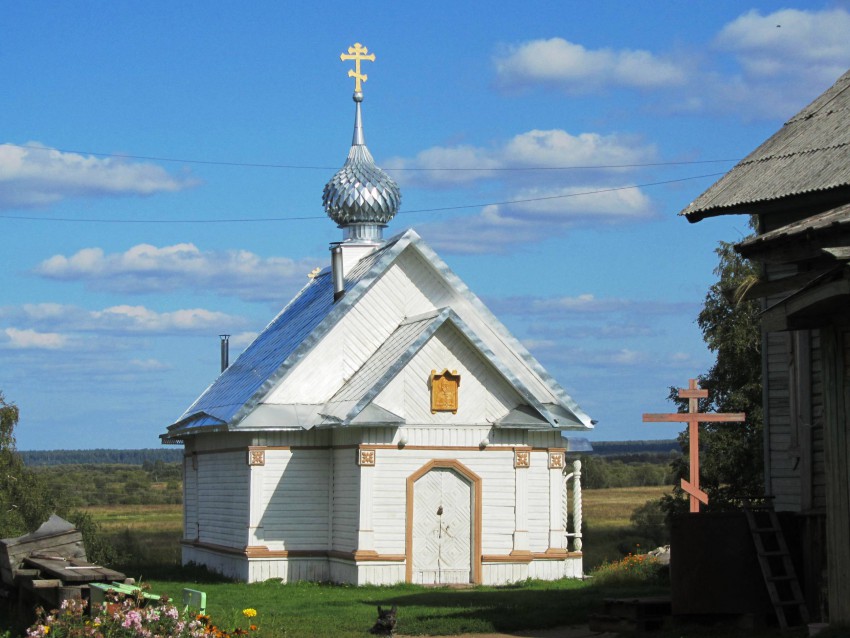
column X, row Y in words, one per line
column 360, row 198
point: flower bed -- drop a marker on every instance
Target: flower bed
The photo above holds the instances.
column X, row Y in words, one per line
column 131, row 617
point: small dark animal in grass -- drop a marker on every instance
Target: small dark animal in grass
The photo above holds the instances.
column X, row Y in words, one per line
column 385, row 625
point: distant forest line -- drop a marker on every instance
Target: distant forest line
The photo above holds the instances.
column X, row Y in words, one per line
column 651, row 450
column 84, row 478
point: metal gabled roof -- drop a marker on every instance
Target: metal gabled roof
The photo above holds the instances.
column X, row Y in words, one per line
column 308, row 318
column 289, row 336
column 583, row 420
column 809, row 155
column 401, row 347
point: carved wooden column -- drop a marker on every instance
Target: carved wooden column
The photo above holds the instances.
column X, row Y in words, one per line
column 577, row 507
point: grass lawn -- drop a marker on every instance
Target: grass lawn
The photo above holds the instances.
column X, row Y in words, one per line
column 321, row 610
column 308, row 609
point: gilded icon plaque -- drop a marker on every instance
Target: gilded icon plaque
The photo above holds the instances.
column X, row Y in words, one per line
column 444, row 391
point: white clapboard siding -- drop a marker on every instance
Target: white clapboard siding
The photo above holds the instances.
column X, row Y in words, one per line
column 484, row 328
column 538, row 502
column 360, row 332
column 190, row 499
column 235, row 567
column 503, row 573
column 483, row 395
column 289, row 570
column 297, row 438
column 346, row 500
column 223, row 499
column 426, row 288
column 295, row 497
column 409, row 288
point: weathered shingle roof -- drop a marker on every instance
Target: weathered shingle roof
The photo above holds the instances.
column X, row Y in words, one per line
column 810, row 154
column 829, row 222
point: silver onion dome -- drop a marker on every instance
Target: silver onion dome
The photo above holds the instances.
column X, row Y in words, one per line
column 361, row 198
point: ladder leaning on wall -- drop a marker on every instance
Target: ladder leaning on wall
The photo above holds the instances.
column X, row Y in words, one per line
column 776, row 566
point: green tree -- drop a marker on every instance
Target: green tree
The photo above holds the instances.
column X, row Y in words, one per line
column 731, row 456
column 24, row 498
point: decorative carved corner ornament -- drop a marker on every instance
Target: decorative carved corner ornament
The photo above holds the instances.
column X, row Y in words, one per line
column 256, row 457
column 557, row 460
column 366, row 458
column 444, row 391
column 522, row 458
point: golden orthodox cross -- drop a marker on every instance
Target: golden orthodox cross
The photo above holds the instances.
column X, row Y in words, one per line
column 693, row 417
column 357, row 53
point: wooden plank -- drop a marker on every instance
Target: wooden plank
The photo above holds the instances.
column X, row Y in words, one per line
column 698, row 417
column 13, row 550
column 73, row 570
column 836, row 389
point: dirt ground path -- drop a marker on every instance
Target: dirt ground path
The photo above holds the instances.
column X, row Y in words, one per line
column 575, row 631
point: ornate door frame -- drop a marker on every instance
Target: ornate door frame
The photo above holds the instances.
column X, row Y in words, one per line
column 475, row 483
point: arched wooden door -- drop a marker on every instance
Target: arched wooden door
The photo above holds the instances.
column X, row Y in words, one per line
column 442, row 528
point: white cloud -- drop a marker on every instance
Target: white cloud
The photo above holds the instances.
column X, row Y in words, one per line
column 33, row 340
column 586, row 304
column 242, row 340
column 139, row 318
column 575, row 69
column 148, row 365
column 145, row 268
column 121, row 320
column 786, row 58
column 554, row 353
column 761, row 65
column 35, row 175
column 803, row 42
column 548, row 149
column 499, row 227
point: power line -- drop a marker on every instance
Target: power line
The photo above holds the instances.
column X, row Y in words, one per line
column 312, row 217
column 152, row 158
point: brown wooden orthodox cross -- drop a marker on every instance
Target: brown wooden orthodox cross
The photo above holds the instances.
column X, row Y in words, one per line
column 693, row 417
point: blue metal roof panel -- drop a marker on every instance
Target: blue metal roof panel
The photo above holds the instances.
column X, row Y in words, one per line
column 237, row 390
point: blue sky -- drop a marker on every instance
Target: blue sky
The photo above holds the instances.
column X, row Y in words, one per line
column 162, row 165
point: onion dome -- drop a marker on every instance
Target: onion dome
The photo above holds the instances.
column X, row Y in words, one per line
column 361, row 198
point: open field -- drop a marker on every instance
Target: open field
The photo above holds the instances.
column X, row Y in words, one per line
column 138, row 518
column 612, row 507
column 602, row 508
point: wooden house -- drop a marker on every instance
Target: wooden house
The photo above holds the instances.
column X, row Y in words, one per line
column 385, row 427
column 797, row 183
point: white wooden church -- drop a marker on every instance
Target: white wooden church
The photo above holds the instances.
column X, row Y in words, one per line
column 385, row 427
